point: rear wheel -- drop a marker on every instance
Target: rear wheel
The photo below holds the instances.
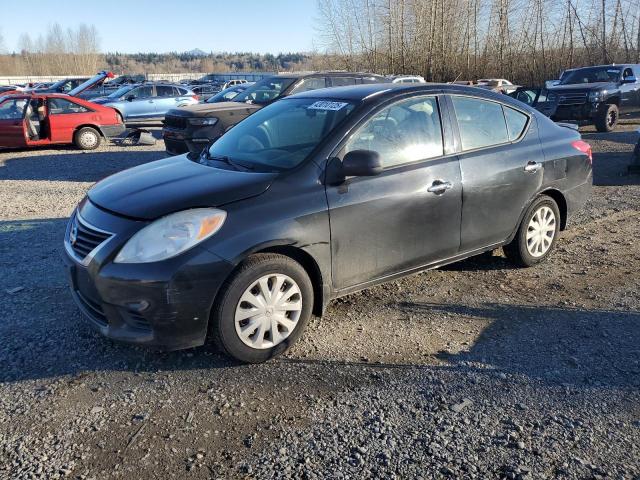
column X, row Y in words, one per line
column 537, row 233
column 263, row 308
column 607, row 118
column 87, row 138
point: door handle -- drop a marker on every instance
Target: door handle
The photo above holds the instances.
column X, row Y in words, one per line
column 439, row 187
column 532, row 167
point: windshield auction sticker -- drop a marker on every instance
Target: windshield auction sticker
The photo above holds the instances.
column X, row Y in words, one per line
column 323, row 105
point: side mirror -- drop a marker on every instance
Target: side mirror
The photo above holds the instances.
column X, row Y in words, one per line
column 361, row 163
column 631, row 79
column 130, row 98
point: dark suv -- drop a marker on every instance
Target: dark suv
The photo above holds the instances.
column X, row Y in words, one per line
column 190, row 129
column 598, row 95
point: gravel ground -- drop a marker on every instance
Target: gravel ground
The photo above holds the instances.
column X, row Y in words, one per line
column 477, row 370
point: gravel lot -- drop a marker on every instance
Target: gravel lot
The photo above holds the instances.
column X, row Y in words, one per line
column 477, row 370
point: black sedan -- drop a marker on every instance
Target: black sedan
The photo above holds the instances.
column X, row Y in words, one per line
column 313, row 197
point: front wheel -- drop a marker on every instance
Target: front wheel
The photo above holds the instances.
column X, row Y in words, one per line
column 607, row 118
column 536, row 234
column 263, row 308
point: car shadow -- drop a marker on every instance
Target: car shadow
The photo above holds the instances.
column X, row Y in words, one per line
column 570, row 346
column 71, row 165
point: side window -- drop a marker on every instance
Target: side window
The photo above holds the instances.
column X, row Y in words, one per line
column 311, row 83
column 516, row 122
column 141, row 92
column 60, row 106
column 164, row 91
column 627, row 73
column 12, row 109
column 481, row 122
column 526, row 96
column 342, row 81
column 404, row 132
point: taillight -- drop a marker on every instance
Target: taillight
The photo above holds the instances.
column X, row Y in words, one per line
column 196, row 97
column 583, row 147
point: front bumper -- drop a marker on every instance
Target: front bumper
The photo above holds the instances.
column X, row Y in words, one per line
column 191, row 140
column 164, row 304
column 583, row 113
column 110, row 131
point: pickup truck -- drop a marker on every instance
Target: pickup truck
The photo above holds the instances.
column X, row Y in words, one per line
column 598, row 95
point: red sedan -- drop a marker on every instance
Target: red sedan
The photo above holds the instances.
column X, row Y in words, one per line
column 30, row 120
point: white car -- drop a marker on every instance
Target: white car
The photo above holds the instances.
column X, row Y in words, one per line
column 408, row 79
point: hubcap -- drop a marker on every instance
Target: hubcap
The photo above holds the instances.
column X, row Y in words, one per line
column 268, row 311
column 540, row 232
column 88, row 139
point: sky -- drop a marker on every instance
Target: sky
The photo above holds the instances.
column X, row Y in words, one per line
column 261, row 26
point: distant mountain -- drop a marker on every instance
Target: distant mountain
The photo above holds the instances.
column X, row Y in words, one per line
column 196, row 52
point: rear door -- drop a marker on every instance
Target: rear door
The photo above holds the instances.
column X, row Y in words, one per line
column 409, row 215
column 166, row 99
column 64, row 116
column 502, row 167
column 12, row 127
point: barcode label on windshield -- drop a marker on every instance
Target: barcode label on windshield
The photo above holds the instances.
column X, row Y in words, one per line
column 322, row 105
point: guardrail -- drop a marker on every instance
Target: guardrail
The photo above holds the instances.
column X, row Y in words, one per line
column 171, row 77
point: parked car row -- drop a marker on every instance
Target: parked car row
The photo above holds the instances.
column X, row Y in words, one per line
column 190, row 129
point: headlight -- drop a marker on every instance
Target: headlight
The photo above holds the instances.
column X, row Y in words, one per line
column 203, row 121
column 171, row 235
column 596, row 96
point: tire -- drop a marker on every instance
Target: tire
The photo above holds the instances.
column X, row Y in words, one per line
column 238, row 297
column 87, row 138
column 607, row 118
column 529, row 252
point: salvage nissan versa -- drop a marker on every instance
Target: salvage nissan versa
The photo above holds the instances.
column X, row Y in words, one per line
column 313, row 197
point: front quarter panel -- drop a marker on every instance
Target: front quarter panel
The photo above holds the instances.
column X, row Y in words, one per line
column 292, row 212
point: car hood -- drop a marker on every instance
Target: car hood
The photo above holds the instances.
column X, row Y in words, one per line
column 583, row 87
column 102, row 100
column 211, row 109
column 94, row 81
column 158, row 188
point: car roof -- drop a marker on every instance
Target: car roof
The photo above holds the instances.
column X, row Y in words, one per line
column 326, row 74
column 356, row 93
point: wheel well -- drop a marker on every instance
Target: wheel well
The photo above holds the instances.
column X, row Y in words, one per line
column 310, row 266
column 614, row 100
column 562, row 205
column 95, row 127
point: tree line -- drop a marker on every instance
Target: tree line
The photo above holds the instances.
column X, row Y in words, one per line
column 527, row 41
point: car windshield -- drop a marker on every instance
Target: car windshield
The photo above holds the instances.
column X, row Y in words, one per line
column 121, row 91
column 280, row 136
column 225, row 95
column 591, row 75
column 265, row 90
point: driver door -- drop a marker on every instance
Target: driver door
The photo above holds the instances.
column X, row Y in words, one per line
column 409, row 215
column 142, row 105
column 12, row 126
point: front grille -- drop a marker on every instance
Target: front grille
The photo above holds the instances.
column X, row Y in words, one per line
column 84, row 238
column 93, row 309
column 175, row 146
column 572, row 98
column 175, row 122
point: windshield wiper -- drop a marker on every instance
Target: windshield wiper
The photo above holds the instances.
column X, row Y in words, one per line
column 228, row 161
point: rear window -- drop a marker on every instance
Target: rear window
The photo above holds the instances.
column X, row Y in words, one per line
column 516, row 122
column 481, row 122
